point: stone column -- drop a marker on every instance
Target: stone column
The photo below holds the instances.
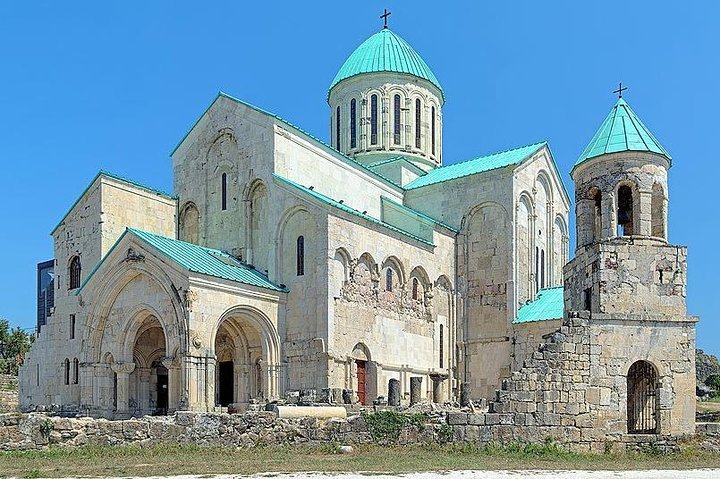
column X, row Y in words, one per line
column 415, row 389
column 142, row 390
column 394, row 392
column 123, row 371
column 609, row 215
column 173, row 367
column 644, row 210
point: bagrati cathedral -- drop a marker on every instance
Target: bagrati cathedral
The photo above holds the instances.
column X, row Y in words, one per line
column 282, row 266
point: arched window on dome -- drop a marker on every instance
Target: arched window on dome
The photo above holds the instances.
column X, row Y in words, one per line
column 396, row 120
column 337, row 128
column 432, row 131
column 373, row 119
column 353, row 124
column 418, row 119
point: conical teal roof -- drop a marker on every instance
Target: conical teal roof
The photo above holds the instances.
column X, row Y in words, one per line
column 622, row 130
column 385, row 51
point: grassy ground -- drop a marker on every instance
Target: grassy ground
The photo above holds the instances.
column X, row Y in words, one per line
column 166, row 460
column 712, row 405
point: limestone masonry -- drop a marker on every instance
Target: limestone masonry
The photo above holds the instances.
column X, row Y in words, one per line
column 365, row 271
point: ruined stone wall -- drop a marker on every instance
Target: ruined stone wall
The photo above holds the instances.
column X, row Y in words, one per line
column 640, row 277
column 399, row 334
column 252, row 429
column 527, row 338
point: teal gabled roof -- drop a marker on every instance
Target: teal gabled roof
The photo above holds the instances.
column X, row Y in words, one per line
column 622, row 130
column 385, row 51
column 548, row 304
column 322, row 144
column 341, row 206
column 476, row 165
column 207, row 261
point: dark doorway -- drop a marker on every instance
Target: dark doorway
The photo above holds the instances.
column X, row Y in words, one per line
column 162, row 394
column 361, row 367
column 641, row 398
column 226, row 385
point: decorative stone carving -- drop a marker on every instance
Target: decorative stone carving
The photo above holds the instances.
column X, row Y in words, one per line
column 133, row 256
column 190, row 297
column 123, row 368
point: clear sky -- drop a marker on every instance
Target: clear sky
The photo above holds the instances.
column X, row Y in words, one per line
column 115, row 85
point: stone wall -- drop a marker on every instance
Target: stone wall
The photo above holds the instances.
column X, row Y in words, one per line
column 8, row 393
column 250, row 429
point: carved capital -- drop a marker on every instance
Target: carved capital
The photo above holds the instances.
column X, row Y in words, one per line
column 171, row 363
column 123, row 368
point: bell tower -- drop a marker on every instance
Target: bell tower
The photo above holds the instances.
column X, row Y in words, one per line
column 629, row 283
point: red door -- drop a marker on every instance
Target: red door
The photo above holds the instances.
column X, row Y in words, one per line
column 361, row 381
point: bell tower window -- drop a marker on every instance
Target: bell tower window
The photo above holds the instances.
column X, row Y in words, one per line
column 625, row 211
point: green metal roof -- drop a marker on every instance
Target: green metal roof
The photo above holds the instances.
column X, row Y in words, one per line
column 411, row 211
column 341, row 206
column 385, row 51
column 476, row 165
column 548, row 304
column 622, row 130
column 208, row 261
column 113, row 176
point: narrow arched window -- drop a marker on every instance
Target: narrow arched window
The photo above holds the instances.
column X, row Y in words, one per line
column 373, row 120
column 418, row 119
column 72, row 326
column 432, row 130
column 74, row 272
column 76, row 370
column 396, row 120
column 597, row 226
column 300, row 255
column 223, row 187
column 625, row 211
column 542, row 268
column 337, row 128
column 415, row 284
column 66, row 365
column 388, row 280
column 353, row 124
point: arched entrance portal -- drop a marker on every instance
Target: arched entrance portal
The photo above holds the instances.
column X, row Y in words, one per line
column 641, row 398
column 240, row 359
column 149, row 380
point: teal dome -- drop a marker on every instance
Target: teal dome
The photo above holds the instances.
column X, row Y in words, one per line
column 386, row 52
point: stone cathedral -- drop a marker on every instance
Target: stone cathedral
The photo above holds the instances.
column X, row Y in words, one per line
column 283, row 266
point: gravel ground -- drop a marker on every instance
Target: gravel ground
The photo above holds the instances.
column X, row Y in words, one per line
column 650, row 474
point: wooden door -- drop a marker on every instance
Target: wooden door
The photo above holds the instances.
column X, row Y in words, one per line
column 361, row 380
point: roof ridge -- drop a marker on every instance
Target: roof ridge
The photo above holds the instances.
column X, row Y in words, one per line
column 495, row 154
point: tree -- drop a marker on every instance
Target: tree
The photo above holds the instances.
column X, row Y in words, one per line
column 14, row 343
column 713, row 381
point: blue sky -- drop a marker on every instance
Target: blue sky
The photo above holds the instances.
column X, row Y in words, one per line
column 115, row 85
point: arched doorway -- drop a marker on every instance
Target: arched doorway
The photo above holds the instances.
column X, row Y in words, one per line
column 642, row 398
column 238, row 353
column 365, row 374
column 149, row 380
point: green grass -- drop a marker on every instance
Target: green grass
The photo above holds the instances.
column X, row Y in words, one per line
column 166, row 460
